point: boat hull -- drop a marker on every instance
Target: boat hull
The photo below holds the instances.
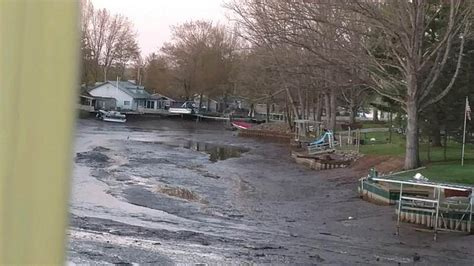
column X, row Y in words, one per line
column 185, row 111
column 241, row 125
column 115, row 120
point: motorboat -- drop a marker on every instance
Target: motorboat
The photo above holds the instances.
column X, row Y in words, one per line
column 188, row 107
column 111, row 116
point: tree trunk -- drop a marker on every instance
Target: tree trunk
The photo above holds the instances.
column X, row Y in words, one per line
column 376, row 115
column 429, row 149
column 327, row 108
column 435, row 134
column 390, row 127
column 411, row 156
column 292, row 103
column 445, row 142
column 301, row 105
column 223, row 108
column 200, row 102
column 288, row 115
column 332, row 121
column 307, row 105
column 268, row 112
column 314, row 110
column 352, row 115
column 319, row 108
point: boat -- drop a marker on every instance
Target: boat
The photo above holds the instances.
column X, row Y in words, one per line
column 241, row 125
column 111, row 116
column 187, row 108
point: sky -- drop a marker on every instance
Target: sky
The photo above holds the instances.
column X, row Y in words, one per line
column 153, row 18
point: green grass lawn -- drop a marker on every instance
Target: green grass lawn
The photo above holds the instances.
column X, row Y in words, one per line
column 397, row 148
column 437, row 169
column 372, row 124
column 451, row 172
column 381, row 146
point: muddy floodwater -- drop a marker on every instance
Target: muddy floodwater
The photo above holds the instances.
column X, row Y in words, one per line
column 173, row 191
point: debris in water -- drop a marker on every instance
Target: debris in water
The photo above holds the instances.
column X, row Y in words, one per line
column 95, row 157
column 416, row 257
column 420, row 177
column 325, row 233
column 100, row 149
column 317, row 257
column 215, row 152
column 179, row 192
column 236, row 215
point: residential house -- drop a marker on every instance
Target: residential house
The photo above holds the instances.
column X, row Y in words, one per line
column 86, row 101
column 90, row 103
column 128, row 95
column 159, row 102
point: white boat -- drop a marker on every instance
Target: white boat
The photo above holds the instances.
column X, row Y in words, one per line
column 111, row 116
column 183, row 108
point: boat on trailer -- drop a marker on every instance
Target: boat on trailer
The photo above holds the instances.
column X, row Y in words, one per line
column 111, row 116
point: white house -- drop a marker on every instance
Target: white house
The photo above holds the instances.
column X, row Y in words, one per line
column 159, row 101
column 128, row 95
column 156, row 104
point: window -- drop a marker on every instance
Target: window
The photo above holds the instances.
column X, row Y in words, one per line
column 150, row 104
column 126, row 102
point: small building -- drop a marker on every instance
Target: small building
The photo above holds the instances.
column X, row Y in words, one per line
column 159, row 101
column 156, row 104
column 89, row 104
column 86, row 101
column 128, row 95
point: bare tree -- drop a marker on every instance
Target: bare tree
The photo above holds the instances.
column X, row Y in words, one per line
column 406, row 54
column 303, row 27
column 394, row 45
column 158, row 75
column 107, row 40
column 201, row 55
column 258, row 80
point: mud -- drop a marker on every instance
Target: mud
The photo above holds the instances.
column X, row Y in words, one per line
column 178, row 192
column 138, row 197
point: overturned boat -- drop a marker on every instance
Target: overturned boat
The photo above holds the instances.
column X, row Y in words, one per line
column 111, row 116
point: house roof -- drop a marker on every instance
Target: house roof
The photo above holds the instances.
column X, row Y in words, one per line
column 161, row 96
column 129, row 88
column 83, row 91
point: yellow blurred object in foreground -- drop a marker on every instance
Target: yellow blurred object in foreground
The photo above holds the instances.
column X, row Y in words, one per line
column 38, row 69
